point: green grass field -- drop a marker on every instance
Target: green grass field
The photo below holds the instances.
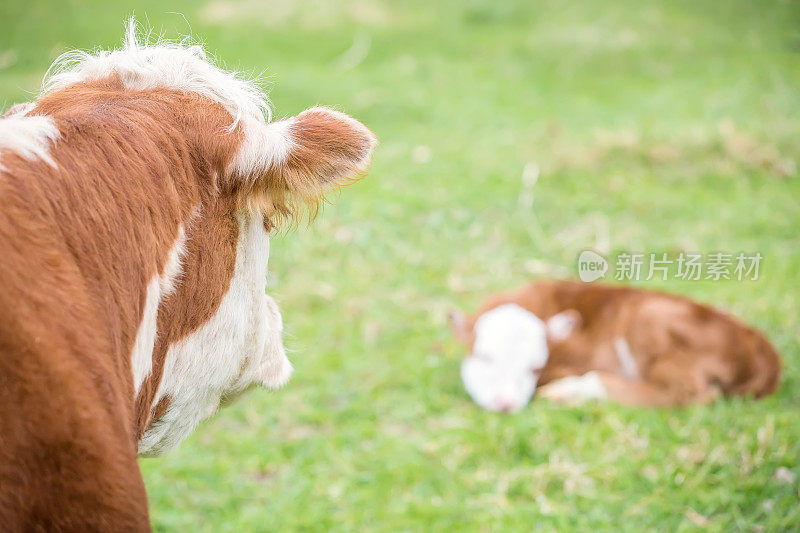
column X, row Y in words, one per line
column 655, row 127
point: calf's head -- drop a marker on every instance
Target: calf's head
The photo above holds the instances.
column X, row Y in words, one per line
column 509, row 347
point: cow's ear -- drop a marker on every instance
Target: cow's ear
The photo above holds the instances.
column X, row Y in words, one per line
column 560, row 326
column 327, row 147
column 297, row 160
column 461, row 326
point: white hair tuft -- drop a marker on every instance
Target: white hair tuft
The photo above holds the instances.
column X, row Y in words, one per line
column 183, row 65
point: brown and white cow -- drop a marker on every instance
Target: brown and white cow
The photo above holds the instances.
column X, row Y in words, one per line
column 137, row 195
column 572, row 341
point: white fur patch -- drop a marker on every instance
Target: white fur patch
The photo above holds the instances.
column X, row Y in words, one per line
column 30, row 137
column 510, row 333
column 264, row 146
column 239, row 346
column 143, row 65
column 161, row 285
column 575, row 389
column 510, row 346
column 625, row 356
column 275, row 369
column 20, row 109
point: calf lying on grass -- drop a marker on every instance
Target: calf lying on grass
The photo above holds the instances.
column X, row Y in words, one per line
column 136, row 199
column 579, row 341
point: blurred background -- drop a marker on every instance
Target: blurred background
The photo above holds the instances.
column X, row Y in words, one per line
column 514, row 135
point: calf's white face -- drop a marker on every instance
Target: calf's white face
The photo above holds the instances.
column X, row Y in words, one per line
column 510, row 348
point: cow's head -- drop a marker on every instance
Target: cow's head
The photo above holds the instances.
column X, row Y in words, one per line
column 209, row 330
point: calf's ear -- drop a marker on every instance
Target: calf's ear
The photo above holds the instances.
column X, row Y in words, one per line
column 562, row 325
column 461, row 326
column 297, row 160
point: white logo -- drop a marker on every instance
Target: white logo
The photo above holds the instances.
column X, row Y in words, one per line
column 591, row 266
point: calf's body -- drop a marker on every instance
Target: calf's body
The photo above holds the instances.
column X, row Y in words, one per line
column 636, row 346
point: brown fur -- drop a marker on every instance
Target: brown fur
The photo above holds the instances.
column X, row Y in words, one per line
column 684, row 352
column 81, row 241
column 208, row 268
